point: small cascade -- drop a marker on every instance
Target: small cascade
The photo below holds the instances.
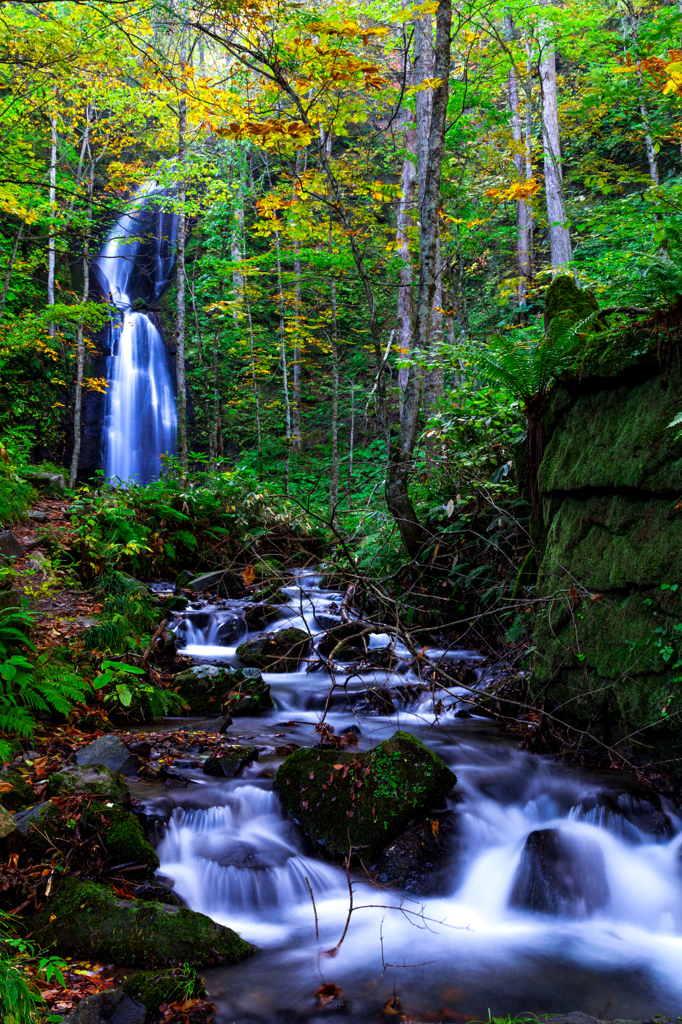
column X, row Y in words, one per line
column 140, row 416
column 556, row 880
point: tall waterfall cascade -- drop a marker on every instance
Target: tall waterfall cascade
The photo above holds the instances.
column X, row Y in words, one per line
column 140, row 416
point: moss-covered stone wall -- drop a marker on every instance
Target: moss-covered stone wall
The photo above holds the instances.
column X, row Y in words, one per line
column 609, row 542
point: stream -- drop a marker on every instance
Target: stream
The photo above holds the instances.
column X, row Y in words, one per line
column 612, row 947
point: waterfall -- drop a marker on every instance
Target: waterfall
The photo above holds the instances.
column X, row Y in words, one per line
column 140, row 416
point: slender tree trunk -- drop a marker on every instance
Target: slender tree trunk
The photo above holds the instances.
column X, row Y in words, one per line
column 298, row 367
column 326, row 140
column 397, row 493
column 237, row 251
column 80, row 340
column 351, row 444
column 256, row 393
column 406, row 220
column 10, row 267
column 181, row 245
column 559, row 235
column 434, row 380
column 285, row 372
column 524, row 211
column 51, row 240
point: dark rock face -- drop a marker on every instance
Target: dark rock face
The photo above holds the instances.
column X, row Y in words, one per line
column 369, row 797
column 344, row 642
column 258, row 616
column 91, row 923
column 230, row 631
column 222, row 581
column 110, row 752
column 420, row 860
column 94, row 779
column 560, row 874
column 9, row 545
column 231, row 762
column 112, row 1007
column 275, row 652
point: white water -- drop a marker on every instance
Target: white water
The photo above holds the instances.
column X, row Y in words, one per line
column 140, row 416
column 613, row 948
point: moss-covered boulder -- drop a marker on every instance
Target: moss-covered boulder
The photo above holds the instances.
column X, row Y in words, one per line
column 7, row 823
column 20, row 795
column 205, row 688
column 126, row 843
column 230, row 761
column 368, row 798
column 249, row 697
column 93, row 779
column 566, row 305
column 152, row 988
column 87, row 921
column 345, row 641
column 260, row 615
column 275, row 652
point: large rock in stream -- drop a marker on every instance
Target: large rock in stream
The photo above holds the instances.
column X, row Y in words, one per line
column 209, row 690
column 365, row 800
column 560, row 873
column 87, row 921
column 275, row 652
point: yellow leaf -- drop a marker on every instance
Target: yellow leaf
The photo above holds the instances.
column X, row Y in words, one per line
column 249, row 575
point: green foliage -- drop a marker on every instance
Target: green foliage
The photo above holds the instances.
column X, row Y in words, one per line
column 20, row 998
column 131, row 697
column 526, row 364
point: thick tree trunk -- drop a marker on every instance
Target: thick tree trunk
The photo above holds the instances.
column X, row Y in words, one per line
column 524, row 211
column 559, row 235
column 397, row 492
column 181, row 281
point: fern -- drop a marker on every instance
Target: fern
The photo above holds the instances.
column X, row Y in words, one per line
column 15, row 624
column 528, row 368
column 26, row 689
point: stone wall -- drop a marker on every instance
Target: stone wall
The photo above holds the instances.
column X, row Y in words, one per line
column 609, row 540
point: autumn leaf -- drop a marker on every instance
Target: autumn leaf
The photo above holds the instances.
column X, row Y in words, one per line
column 249, row 575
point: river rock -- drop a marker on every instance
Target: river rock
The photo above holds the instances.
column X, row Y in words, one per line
column 347, row 641
column 20, row 795
column 7, row 823
column 10, row 547
column 175, row 603
column 157, row 894
column 204, row 688
column 230, row 631
column 275, row 652
column 53, row 483
column 156, row 987
column 560, row 873
column 231, row 762
column 110, row 752
column 111, row 1007
column 419, row 861
column 222, row 581
column 249, row 697
column 91, row 923
column 94, row 779
column 258, row 616
column 370, row 797
column 125, row 840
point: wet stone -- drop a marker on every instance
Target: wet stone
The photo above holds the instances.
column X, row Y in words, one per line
column 10, row 547
column 560, row 873
column 111, row 1007
column 275, row 652
column 229, row 764
column 110, row 752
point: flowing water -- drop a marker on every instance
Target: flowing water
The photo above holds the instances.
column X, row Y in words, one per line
column 140, row 417
column 609, row 945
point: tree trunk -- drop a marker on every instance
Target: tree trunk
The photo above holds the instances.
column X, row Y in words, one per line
column 51, row 240
column 180, row 277
column 397, row 493
column 297, row 369
column 80, row 340
column 285, row 371
column 559, row 236
column 10, row 267
column 256, row 393
column 524, row 211
column 406, row 220
column 237, row 251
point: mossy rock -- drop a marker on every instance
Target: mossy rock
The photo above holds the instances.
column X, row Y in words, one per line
column 366, row 798
column 90, row 923
column 7, row 823
column 231, row 762
column 249, row 697
column 275, row 652
column 205, row 688
column 93, row 779
column 20, row 796
column 258, row 616
column 271, row 593
column 175, row 603
column 184, row 578
column 152, row 988
column 10, row 599
column 566, row 304
column 126, row 843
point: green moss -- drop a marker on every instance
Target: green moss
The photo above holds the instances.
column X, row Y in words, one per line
column 231, row 761
column 205, row 688
column 20, row 796
column 91, row 923
column 249, row 697
column 276, row 652
column 566, row 304
column 156, row 987
column 363, row 799
column 94, row 779
column 126, row 843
